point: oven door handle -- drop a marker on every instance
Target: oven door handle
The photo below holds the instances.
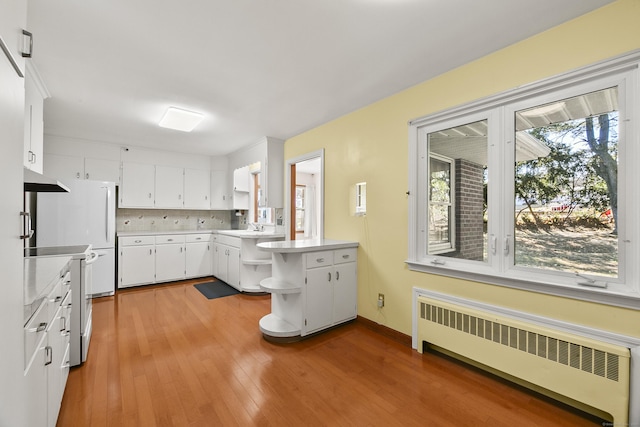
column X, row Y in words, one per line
column 93, row 257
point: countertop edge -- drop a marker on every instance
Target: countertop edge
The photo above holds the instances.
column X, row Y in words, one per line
column 300, row 246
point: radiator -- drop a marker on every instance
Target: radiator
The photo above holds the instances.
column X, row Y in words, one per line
column 593, row 372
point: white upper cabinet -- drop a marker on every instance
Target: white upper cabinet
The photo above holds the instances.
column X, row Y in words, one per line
column 67, row 168
column 35, row 93
column 138, row 185
column 169, row 187
column 102, row 170
column 197, row 189
column 220, row 199
column 64, row 168
column 241, row 179
column 273, row 175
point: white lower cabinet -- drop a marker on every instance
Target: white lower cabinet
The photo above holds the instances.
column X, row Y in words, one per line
column 198, row 255
column 228, row 260
column 170, row 258
column 136, row 261
column 310, row 291
column 46, row 340
column 148, row 259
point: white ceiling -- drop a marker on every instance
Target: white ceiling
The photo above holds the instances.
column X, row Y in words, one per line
column 255, row 67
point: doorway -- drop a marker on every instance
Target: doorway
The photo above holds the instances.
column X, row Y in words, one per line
column 305, row 201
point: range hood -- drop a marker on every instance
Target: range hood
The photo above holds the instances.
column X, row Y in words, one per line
column 33, row 181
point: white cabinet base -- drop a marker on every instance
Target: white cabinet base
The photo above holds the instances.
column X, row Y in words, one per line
column 313, row 288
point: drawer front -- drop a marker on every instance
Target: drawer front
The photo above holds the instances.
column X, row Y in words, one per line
column 341, row 256
column 170, row 239
column 229, row 240
column 196, row 238
column 35, row 332
column 318, row 259
column 136, row 240
column 54, row 299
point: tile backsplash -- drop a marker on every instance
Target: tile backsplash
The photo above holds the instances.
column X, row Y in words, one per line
column 171, row 220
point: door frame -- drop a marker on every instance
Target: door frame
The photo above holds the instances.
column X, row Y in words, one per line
column 290, row 189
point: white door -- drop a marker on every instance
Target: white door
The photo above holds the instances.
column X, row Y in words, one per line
column 319, row 298
column 138, row 185
column 345, row 292
column 170, row 262
column 103, row 281
column 198, row 259
column 13, row 395
column 86, row 215
column 169, row 187
column 233, row 277
column 197, row 189
column 136, row 265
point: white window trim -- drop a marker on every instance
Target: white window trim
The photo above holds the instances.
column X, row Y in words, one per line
column 497, row 271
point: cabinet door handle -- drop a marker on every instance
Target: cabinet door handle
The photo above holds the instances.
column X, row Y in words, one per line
column 180, row 249
column 86, row 175
column 198, row 238
column 337, row 275
column 169, row 240
column 64, row 324
column 41, row 327
column 150, row 252
column 30, row 51
column 56, row 299
column 149, row 195
column 329, row 276
column 78, row 175
column 319, row 260
column 48, row 351
column 138, row 241
column 345, row 256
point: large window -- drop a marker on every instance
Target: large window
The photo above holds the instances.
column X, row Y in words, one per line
column 561, row 213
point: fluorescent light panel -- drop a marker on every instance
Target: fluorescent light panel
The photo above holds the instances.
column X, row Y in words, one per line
column 179, row 119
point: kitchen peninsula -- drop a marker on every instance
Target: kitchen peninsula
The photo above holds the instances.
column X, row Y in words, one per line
column 313, row 287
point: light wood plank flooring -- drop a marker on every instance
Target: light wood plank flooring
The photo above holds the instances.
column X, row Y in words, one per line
column 167, row 356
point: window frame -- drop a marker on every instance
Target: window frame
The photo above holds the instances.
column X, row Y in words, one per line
column 450, row 245
column 499, row 109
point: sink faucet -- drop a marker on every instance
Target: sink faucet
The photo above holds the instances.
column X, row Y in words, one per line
column 256, row 227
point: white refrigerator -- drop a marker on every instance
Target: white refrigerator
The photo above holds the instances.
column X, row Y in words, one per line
column 84, row 216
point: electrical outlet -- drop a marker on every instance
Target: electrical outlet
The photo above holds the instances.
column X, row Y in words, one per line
column 380, row 300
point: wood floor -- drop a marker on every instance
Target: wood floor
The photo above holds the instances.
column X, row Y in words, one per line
column 167, row 356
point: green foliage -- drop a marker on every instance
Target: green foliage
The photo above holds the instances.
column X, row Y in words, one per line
column 577, row 172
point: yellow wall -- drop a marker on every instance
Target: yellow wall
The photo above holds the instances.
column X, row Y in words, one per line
column 371, row 145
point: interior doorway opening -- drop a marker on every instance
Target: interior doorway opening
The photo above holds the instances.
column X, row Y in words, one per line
column 305, row 186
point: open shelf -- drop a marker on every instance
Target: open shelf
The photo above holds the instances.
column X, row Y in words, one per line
column 274, row 326
column 276, row 286
column 257, row 261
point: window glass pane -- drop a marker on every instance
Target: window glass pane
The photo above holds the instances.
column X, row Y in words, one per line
column 457, row 192
column 566, row 191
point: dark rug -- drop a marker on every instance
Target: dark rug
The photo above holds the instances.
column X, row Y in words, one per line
column 217, row 289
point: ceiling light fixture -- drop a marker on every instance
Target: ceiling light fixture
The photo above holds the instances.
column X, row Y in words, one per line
column 179, row 119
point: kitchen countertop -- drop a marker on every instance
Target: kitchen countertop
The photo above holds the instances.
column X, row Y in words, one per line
column 40, row 274
column 251, row 234
column 161, row 233
column 308, row 245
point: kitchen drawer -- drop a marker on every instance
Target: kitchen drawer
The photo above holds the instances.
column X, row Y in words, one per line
column 35, row 332
column 318, row 259
column 169, row 239
column 136, row 240
column 196, row 238
column 229, row 240
column 340, row 256
column 54, row 299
